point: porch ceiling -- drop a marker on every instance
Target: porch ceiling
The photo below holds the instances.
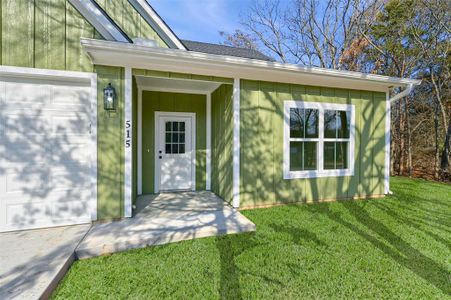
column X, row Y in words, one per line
column 176, row 85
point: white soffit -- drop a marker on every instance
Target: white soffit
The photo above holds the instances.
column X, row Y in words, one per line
column 99, row 20
column 172, row 60
column 176, row 85
column 154, row 20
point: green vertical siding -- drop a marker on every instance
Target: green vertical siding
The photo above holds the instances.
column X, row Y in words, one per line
column 172, row 102
column 261, row 173
column 44, row 34
column 125, row 15
column 110, row 146
column 222, row 142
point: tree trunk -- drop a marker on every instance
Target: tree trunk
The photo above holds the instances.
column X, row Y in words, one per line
column 409, row 139
column 446, row 150
column 437, row 152
column 401, row 138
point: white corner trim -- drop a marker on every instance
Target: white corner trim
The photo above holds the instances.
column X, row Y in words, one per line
column 128, row 134
column 236, row 143
column 208, row 146
column 93, row 104
column 154, row 20
column 320, row 172
column 387, row 144
column 140, row 140
column 97, row 18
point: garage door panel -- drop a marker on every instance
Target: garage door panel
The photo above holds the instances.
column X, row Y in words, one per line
column 45, row 153
column 71, row 124
column 73, row 96
column 18, row 94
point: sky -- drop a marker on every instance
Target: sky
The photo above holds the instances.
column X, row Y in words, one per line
column 201, row 20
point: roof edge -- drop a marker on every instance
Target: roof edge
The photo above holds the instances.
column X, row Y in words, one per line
column 139, row 54
column 100, row 20
column 157, row 23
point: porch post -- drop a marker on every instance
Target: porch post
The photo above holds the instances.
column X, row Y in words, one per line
column 208, row 181
column 128, row 143
column 236, row 143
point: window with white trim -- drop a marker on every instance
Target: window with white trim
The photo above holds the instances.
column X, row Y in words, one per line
column 318, row 139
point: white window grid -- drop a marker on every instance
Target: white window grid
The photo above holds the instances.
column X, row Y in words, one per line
column 320, row 171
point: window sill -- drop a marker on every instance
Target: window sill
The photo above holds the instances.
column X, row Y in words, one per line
column 317, row 174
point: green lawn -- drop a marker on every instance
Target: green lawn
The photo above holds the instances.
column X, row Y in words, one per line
column 396, row 247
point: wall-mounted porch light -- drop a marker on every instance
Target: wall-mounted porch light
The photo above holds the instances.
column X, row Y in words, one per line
column 109, row 98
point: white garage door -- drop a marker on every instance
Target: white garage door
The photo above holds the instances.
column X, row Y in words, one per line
column 46, row 152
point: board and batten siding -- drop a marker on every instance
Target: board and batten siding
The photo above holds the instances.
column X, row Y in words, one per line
column 171, row 102
column 261, row 137
column 222, row 142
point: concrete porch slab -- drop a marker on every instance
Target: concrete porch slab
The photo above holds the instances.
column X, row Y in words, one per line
column 167, row 218
column 33, row 261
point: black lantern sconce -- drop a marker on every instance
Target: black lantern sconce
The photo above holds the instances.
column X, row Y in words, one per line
column 109, row 98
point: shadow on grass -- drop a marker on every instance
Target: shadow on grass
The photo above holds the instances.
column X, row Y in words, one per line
column 392, row 245
column 229, row 248
column 298, row 234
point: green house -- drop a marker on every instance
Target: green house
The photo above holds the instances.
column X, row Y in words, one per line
column 101, row 102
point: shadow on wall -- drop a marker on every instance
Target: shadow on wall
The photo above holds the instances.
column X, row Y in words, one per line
column 262, row 120
column 45, row 145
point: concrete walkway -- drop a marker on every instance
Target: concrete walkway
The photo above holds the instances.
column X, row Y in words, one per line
column 165, row 218
column 33, row 261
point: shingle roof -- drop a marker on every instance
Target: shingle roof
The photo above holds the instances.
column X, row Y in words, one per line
column 224, row 50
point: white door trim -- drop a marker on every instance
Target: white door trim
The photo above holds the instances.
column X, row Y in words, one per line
column 70, row 76
column 141, row 89
column 159, row 114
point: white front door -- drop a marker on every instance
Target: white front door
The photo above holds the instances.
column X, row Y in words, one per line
column 175, row 151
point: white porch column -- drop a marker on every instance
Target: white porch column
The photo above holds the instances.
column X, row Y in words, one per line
column 140, row 137
column 236, row 143
column 128, row 143
column 208, row 181
column 387, row 144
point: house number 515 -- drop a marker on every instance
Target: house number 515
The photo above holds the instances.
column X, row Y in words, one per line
column 128, row 138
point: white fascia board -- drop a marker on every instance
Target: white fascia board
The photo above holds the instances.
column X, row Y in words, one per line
column 154, row 20
column 97, row 18
column 172, row 60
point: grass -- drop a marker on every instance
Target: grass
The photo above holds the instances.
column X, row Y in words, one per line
column 396, row 247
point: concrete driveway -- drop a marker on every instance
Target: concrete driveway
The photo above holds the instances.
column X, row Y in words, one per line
column 33, row 261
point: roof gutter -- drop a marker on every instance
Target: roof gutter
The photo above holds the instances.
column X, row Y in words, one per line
column 404, row 93
column 174, row 60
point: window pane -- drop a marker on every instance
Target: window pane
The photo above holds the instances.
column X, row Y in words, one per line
column 168, row 126
column 182, row 126
column 175, row 137
column 330, row 124
column 182, row 148
column 342, row 155
column 343, row 123
column 311, row 123
column 182, row 138
column 296, row 123
column 295, row 156
column 175, row 126
column 168, row 149
column 310, row 155
column 329, row 155
column 175, row 148
column 168, row 137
